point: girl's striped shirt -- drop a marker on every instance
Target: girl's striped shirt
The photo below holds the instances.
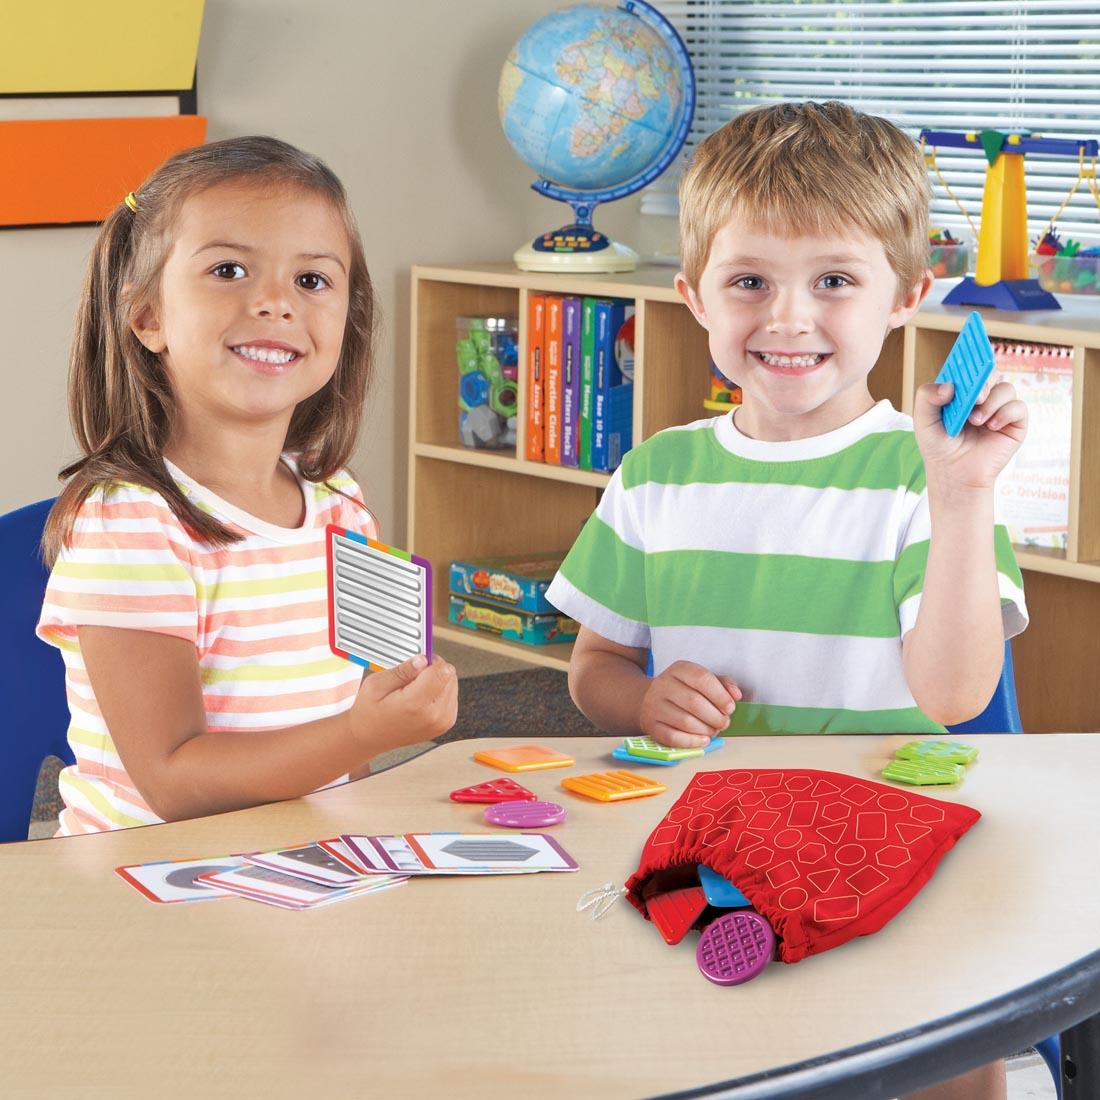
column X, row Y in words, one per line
column 795, row 568
column 256, row 611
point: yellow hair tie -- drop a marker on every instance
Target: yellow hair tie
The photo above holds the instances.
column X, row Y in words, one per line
column 131, row 202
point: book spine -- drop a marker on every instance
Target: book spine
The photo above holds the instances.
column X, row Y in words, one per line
column 536, row 383
column 588, row 348
column 553, row 380
column 609, row 316
column 620, row 423
column 570, row 379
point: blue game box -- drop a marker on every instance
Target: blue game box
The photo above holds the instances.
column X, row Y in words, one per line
column 519, row 582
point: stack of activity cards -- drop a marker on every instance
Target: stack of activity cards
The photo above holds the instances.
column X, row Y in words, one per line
column 644, row 750
column 306, row 876
column 300, row 877
column 459, row 854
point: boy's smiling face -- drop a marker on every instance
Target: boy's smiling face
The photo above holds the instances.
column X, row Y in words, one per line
column 798, row 323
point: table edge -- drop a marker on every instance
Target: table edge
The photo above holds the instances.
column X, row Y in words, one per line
column 919, row 1057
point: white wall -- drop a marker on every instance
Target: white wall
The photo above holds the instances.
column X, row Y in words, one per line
column 400, row 98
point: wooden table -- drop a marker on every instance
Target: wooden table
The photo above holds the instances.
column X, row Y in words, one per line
column 497, row 987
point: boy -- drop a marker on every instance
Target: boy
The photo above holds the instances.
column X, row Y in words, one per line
column 779, row 562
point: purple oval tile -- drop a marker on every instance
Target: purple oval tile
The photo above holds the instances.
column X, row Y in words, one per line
column 523, row 815
column 735, row 948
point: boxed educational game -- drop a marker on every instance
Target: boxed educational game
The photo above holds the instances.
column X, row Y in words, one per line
column 511, row 623
column 519, row 582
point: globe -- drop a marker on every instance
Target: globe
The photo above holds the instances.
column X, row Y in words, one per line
column 597, row 101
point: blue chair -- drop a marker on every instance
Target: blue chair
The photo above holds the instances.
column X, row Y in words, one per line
column 32, row 673
column 1002, row 715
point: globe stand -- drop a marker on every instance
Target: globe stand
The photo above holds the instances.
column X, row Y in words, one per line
column 576, row 247
column 645, row 32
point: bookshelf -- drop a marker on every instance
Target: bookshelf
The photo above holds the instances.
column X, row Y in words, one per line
column 482, row 503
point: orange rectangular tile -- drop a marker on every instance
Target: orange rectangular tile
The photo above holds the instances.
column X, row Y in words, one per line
column 76, row 170
column 612, row 786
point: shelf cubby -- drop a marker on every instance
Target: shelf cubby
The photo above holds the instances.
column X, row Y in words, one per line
column 471, row 503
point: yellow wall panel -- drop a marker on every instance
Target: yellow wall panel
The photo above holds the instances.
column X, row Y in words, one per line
column 56, row 46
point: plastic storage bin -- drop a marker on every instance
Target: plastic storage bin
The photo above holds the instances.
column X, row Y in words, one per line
column 488, row 370
column 1078, row 274
column 950, row 261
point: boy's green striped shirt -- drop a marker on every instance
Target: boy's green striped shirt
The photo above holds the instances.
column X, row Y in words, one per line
column 795, row 568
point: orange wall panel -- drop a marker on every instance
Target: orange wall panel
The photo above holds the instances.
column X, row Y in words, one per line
column 58, row 171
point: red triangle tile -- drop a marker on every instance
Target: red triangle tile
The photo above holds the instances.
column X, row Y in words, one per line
column 676, row 911
column 495, row 790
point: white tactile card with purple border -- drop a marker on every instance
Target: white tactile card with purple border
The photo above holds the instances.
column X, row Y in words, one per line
column 379, row 601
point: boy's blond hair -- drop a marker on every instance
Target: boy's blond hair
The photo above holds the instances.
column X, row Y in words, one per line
column 808, row 169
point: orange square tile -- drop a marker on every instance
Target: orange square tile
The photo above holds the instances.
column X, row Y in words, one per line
column 524, row 758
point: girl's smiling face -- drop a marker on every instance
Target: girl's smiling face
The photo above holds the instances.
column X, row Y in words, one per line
column 253, row 302
column 797, row 323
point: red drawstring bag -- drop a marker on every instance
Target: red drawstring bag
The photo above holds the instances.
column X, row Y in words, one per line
column 823, row 857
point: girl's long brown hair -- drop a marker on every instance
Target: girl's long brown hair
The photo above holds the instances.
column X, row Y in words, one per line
column 121, row 404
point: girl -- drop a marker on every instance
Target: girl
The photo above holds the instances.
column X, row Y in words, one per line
column 221, row 356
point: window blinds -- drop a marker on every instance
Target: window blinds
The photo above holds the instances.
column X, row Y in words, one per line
column 935, row 64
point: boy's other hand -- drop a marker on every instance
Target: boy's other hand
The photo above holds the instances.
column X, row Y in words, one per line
column 686, row 705
column 991, row 436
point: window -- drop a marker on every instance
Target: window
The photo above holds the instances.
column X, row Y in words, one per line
column 923, row 64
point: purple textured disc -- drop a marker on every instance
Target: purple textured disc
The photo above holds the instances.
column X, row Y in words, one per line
column 735, row 947
column 520, row 815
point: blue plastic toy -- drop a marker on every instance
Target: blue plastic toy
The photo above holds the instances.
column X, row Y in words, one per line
column 968, row 365
column 720, row 892
column 621, row 754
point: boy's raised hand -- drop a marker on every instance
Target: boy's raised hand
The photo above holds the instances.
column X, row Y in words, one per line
column 686, row 705
column 991, row 436
column 412, row 702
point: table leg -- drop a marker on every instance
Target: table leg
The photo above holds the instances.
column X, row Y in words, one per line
column 1081, row 1060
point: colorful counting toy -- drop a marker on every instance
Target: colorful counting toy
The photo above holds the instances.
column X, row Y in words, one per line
column 495, row 790
column 735, row 948
column 922, row 773
column 524, row 814
column 942, row 752
column 968, row 365
column 624, row 752
column 612, row 786
column 524, row 758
